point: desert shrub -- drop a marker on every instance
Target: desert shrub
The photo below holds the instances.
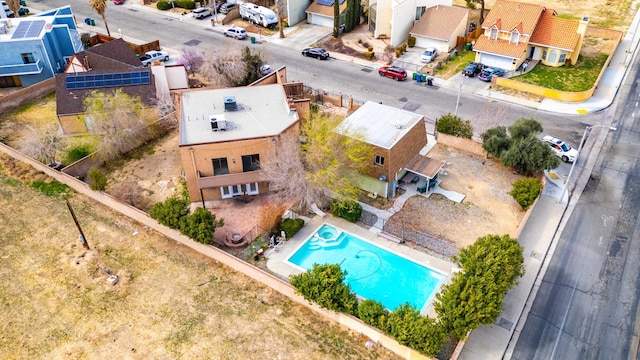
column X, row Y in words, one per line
column 291, row 226
column 411, row 41
column 373, row 313
column 52, row 188
column 369, row 55
column 171, row 211
column 200, row 226
column 186, row 4
column 97, row 179
column 324, row 284
column 129, row 192
column 370, row 48
column 398, row 51
column 526, row 191
column 347, row 209
column 454, row 125
column 496, row 140
column 163, row 5
column 77, row 152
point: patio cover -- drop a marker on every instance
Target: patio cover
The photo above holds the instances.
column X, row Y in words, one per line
column 424, row 166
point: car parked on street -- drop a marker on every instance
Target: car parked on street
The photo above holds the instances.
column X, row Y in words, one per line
column 23, row 11
column 318, row 53
column 488, row 73
column 236, row 32
column 201, row 13
column 561, row 148
column 472, row 69
column 226, row 7
column 428, row 55
column 393, row 72
column 118, row 2
column 151, row 56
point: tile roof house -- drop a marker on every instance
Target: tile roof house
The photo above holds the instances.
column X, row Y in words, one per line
column 105, row 67
column 440, row 26
column 320, row 12
column 397, row 136
column 514, row 32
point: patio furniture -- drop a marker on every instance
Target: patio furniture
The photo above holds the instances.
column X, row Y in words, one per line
column 415, row 179
column 422, row 189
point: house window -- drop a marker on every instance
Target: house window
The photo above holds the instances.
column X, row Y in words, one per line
column 493, row 35
column 552, row 56
column 544, row 54
column 515, row 36
column 379, row 160
column 226, row 192
column 252, row 189
column 563, row 57
column 27, row 58
column 220, row 166
column 419, row 11
column 250, row 162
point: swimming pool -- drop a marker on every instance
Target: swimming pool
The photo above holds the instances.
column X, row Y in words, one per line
column 372, row 272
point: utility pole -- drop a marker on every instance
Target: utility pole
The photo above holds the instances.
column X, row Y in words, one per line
column 73, row 215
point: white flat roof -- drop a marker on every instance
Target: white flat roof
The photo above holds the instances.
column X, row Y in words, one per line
column 261, row 111
column 381, row 125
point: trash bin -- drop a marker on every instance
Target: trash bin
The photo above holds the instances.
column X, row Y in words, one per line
column 430, row 81
column 468, row 47
column 23, row 3
column 87, row 21
column 93, row 22
column 253, row 40
column 413, row 77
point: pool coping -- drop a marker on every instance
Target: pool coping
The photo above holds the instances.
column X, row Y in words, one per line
column 277, row 258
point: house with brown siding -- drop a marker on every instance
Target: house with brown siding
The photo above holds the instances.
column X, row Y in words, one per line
column 515, row 32
column 397, row 136
column 226, row 133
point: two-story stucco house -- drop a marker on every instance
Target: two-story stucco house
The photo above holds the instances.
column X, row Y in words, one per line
column 35, row 48
column 515, row 31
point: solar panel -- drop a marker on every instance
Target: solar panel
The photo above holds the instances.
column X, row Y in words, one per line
column 28, row 29
column 326, row 2
column 82, row 81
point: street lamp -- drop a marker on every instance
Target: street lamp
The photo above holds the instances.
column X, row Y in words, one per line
column 459, row 91
column 584, row 138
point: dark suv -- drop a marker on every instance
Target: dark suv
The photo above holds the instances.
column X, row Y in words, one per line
column 472, row 69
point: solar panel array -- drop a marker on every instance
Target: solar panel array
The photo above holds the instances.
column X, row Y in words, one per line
column 28, row 29
column 329, row 2
column 91, row 81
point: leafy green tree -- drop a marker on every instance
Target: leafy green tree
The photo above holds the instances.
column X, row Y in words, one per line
column 324, row 285
column 529, row 155
column 200, row 226
column 373, row 313
column 350, row 210
column 429, row 336
column 100, row 6
column 171, row 212
column 496, row 140
column 526, row 191
column 454, row 125
column 525, row 127
column 336, row 19
column 489, row 268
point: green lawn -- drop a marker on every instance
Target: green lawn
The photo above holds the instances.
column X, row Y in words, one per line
column 580, row 77
column 456, row 64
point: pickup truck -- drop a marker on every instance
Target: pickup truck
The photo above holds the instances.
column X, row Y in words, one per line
column 151, row 56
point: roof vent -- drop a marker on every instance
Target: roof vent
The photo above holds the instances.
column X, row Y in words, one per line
column 3, row 28
column 398, row 125
column 218, row 122
column 230, row 103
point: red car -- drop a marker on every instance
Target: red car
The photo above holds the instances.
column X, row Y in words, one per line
column 393, row 72
column 118, row 2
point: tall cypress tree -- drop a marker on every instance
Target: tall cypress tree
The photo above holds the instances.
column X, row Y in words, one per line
column 352, row 18
column 336, row 18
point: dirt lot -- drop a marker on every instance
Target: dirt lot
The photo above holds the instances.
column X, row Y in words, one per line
column 170, row 302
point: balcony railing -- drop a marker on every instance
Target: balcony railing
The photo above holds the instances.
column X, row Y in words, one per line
column 207, row 182
column 21, row 69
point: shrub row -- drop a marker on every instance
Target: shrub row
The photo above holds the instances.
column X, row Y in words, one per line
column 349, row 210
column 184, row 4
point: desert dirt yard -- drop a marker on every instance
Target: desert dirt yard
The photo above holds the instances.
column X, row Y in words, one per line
column 170, row 302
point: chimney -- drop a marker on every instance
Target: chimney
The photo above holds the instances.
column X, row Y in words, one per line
column 582, row 27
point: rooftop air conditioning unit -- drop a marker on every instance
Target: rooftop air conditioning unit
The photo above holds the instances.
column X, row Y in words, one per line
column 218, row 123
column 230, row 103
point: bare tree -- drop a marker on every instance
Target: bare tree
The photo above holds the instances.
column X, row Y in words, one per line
column 119, row 119
column 14, row 5
column 130, row 193
column 281, row 8
column 488, row 117
column 100, row 6
column 191, row 58
column 231, row 68
column 44, row 143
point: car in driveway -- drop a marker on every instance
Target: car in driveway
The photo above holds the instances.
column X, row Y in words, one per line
column 201, row 13
column 236, row 32
column 472, row 69
column 154, row 55
column 428, row 55
column 488, row 73
column 226, row 7
column 393, row 72
column 318, row 53
column 561, row 148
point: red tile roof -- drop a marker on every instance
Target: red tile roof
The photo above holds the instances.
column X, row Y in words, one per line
column 500, row 47
column 439, row 22
column 509, row 15
column 555, row 32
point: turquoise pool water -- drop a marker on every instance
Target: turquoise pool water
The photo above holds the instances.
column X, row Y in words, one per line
column 372, row 272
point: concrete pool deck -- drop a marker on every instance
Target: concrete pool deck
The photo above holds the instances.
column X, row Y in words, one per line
column 277, row 258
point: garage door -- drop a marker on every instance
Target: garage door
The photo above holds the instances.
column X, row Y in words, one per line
column 320, row 20
column 496, row 61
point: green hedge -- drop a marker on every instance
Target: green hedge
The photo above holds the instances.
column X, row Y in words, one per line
column 291, row 226
column 347, row 209
column 163, row 5
column 526, row 191
column 186, row 4
column 97, row 179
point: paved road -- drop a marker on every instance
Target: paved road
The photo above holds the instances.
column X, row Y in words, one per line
column 587, row 304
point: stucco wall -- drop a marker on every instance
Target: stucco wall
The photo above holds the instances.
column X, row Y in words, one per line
column 26, row 95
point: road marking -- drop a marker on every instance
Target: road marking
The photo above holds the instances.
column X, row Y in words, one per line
column 600, row 241
column 606, row 218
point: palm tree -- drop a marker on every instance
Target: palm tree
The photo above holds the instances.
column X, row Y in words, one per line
column 14, row 5
column 100, row 6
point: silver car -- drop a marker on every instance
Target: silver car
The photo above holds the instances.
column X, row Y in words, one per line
column 428, row 55
column 236, row 32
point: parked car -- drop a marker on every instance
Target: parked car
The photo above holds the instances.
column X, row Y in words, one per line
column 236, row 32
column 23, row 11
column 472, row 69
column 217, row 6
column 318, row 53
column 488, row 73
column 561, row 148
column 428, row 55
column 201, row 13
column 393, row 72
column 118, row 2
column 265, row 69
column 226, row 7
column 151, row 56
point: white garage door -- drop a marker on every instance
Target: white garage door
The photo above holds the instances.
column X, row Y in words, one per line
column 496, row 61
column 320, row 20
